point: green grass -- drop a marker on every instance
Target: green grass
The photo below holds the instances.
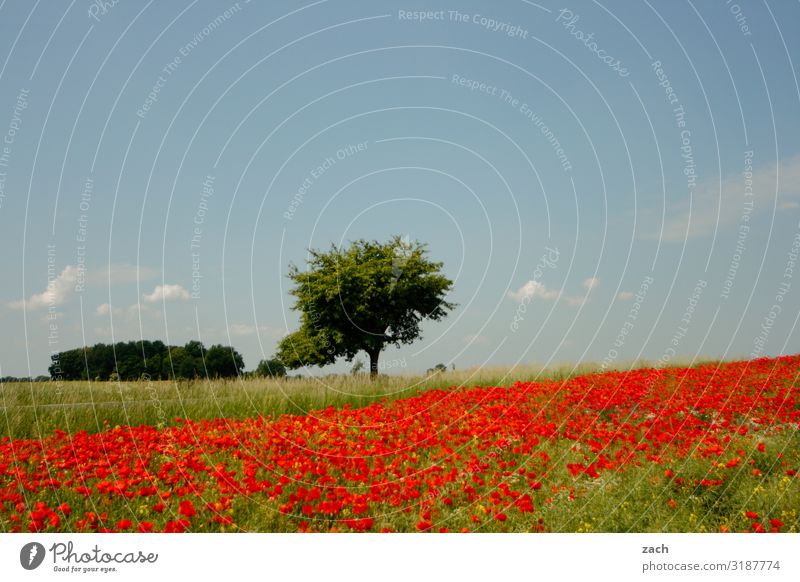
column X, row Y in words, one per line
column 33, row 410
column 645, row 500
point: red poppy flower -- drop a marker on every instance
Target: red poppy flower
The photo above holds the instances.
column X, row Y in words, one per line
column 187, row 508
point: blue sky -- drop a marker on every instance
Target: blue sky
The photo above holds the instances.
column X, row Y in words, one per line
column 603, row 181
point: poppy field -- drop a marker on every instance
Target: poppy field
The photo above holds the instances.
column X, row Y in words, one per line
column 711, row 448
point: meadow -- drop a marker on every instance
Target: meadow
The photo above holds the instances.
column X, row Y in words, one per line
column 33, row 410
column 708, row 448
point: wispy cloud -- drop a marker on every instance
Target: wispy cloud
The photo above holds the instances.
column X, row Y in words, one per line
column 533, row 289
column 58, row 290
column 709, row 200
column 167, row 293
column 131, row 311
column 625, row 295
column 591, row 283
column 576, row 300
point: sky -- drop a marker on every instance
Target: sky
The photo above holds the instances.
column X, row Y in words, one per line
column 602, row 181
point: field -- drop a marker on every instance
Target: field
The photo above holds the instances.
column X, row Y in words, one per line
column 708, row 448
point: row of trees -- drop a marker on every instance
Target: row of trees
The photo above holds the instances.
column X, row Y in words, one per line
column 137, row 359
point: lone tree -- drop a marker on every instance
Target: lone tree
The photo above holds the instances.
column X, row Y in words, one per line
column 365, row 297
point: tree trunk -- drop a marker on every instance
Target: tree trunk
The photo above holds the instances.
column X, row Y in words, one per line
column 373, row 362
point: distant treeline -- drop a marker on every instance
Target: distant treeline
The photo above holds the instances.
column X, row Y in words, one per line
column 5, row 379
column 146, row 359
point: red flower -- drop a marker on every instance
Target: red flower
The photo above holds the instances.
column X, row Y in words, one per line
column 751, row 515
column 187, row 508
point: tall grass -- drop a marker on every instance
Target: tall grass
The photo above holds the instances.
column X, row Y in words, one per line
column 33, row 410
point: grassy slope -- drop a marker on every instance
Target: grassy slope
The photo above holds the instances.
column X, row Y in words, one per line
column 638, row 499
column 33, row 410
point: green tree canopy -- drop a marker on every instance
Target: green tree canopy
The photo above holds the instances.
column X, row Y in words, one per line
column 135, row 359
column 363, row 297
column 273, row 368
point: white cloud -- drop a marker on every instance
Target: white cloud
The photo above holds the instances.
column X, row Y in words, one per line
column 58, row 291
column 167, row 293
column 709, row 200
column 591, row 283
column 625, row 295
column 131, row 312
column 532, row 289
column 576, row 300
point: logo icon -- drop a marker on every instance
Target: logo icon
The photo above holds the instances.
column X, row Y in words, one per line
column 31, row 555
